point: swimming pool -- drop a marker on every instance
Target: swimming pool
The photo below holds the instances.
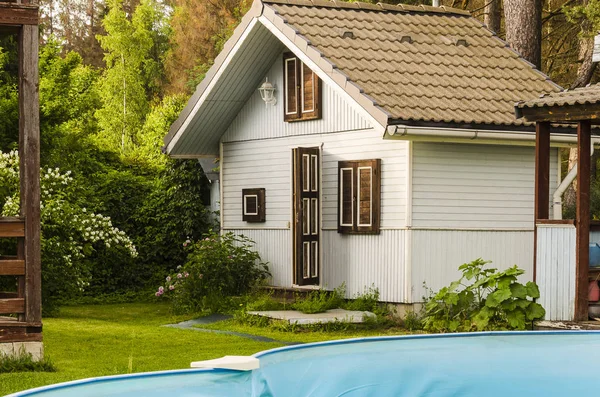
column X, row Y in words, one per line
column 538, row 363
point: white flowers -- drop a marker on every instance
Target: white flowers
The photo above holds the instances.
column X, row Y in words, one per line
column 85, row 227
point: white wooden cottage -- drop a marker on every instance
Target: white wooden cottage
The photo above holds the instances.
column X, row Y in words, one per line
column 389, row 154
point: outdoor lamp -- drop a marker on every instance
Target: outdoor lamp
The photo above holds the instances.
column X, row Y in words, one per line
column 267, row 92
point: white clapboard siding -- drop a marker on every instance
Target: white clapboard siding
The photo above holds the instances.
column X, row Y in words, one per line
column 274, row 247
column 259, row 121
column 437, row 254
column 363, row 261
column 268, row 164
column 555, row 274
column 475, row 186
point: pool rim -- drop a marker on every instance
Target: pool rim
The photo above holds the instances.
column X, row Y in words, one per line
column 264, row 353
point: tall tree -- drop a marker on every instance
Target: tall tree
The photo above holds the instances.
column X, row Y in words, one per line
column 523, row 20
column 130, row 69
column 200, row 28
column 493, row 15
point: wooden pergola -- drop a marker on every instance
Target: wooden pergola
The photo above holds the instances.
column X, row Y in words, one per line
column 20, row 310
column 580, row 107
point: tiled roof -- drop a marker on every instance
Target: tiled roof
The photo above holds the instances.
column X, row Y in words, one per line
column 579, row 96
column 418, row 64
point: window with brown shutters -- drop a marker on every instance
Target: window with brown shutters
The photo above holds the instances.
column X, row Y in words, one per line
column 302, row 91
column 359, row 189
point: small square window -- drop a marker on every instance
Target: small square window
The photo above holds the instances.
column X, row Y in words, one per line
column 253, row 205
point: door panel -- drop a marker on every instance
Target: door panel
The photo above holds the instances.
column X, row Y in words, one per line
column 306, row 216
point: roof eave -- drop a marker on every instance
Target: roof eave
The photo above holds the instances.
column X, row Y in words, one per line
column 179, row 126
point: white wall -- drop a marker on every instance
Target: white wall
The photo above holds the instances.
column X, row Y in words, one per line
column 475, row 186
column 257, row 152
column 556, row 270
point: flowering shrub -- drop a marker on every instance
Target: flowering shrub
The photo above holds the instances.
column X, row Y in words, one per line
column 69, row 231
column 217, row 267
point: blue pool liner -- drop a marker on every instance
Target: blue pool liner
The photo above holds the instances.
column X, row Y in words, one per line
column 533, row 363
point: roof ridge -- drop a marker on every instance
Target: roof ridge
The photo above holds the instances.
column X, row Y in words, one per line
column 372, row 7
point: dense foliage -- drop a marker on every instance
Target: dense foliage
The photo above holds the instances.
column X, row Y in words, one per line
column 218, row 267
column 483, row 299
column 153, row 202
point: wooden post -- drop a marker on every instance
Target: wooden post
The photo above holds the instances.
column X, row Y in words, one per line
column 582, row 220
column 29, row 152
column 542, row 181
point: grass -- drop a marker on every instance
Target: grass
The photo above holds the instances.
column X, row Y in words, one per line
column 89, row 341
column 300, row 334
column 97, row 340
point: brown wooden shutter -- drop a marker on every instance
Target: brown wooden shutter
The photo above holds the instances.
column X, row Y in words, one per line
column 359, row 207
column 368, row 200
column 310, row 94
column 253, row 205
column 346, row 196
column 302, row 90
column 291, row 83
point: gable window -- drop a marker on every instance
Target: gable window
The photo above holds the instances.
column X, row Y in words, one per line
column 302, row 91
column 359, row 188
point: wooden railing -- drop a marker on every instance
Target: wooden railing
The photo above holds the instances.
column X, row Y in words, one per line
column 11, row 302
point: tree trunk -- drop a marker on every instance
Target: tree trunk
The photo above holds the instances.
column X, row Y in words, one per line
column 586, row 48
column 492, row 15
column 523, row 20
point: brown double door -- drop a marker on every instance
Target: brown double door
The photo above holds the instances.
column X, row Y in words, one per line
column 306, row 215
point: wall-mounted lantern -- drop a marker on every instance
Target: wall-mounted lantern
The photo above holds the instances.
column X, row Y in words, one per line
column 267, row 92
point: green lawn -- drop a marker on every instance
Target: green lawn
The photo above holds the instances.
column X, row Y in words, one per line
column 88, row 341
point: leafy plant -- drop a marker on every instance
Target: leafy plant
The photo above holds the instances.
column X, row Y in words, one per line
column 218, row 267
column 483, row 299
column 24, row 362
column 367, row 301
column 320, row 301
column 70, row 232
column 412, row 321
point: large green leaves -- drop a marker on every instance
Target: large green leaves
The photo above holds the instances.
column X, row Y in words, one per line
column 483, row 299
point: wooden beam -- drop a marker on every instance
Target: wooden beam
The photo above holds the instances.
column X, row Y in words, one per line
column 12, row 267
column 583, row 220
column 12, row 227
column 11, row 306
column 568, row 113
column 542, row 181
column 21, row 334
column 18, row 14
column 29, row 151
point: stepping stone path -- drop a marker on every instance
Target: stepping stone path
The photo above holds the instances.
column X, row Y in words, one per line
column 330, row 316
column 214, row 318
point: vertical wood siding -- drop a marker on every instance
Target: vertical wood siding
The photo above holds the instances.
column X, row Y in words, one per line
column 437, row 254
column 365, row 261
column 259, row 121
column 475, row 186
column 267, row 164
column 556, row 270
column 275, row 247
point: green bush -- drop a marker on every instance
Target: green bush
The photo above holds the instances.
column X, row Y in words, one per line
column 320, row 301
column 218, row 267
column 367, row 301
column 483, row 299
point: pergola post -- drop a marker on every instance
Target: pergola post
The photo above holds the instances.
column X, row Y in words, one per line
column 582, row 219
column 542, row 180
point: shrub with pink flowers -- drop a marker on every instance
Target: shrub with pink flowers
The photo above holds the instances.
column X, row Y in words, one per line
column 218, row 267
